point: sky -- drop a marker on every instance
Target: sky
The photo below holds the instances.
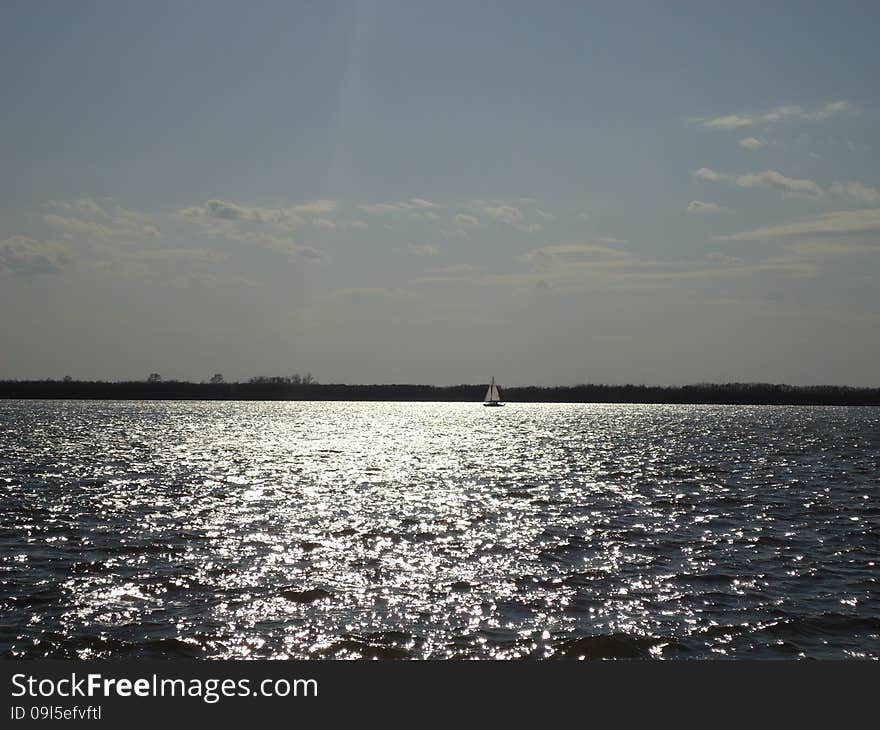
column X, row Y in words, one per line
column 549, row 193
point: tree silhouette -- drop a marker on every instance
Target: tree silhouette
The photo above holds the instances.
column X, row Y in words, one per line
column 154, row 378
column 217, row 378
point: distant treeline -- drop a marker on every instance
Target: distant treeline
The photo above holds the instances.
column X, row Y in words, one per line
column 284, row 388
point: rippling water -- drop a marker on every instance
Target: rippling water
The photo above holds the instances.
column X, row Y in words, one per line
column 437, row 530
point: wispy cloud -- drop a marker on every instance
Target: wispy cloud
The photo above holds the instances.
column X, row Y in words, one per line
column 722, row 259
column 793, row 112
column 23, row 255
column 509, row 214
column 731, row 121
column 78, row 227
column 573, row 251
column 283, row 243
column 204, row 255
column 752, row 143
column 705, row 173
column 287, row 217
column 411, row 205
column 778, row 114
column 105, row 222
column 698, row 207
column 316, row 207
column 425, row 249
column 467, row 220
column 850, row 222
column 84, row 205
column 831, row 248
column 790, row 186
column 857, row 191
column 370, row 292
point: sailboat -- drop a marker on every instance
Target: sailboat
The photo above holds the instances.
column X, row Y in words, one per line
column 493, row 396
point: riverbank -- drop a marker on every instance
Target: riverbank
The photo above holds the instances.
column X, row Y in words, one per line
column 719, row 394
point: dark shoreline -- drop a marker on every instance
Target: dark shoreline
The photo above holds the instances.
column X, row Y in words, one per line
column 706, row 394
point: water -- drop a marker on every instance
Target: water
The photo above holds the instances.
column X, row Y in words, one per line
column 437, row 530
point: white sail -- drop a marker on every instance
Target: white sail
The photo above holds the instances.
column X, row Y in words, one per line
column 492, row 394
column 488, row 394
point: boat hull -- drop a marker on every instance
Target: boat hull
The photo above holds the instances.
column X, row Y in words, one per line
column 493, row 405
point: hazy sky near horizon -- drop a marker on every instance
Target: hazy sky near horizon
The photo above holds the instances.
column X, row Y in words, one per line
column 424, row 192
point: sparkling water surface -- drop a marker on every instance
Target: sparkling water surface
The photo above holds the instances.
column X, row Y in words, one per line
column 437, row 530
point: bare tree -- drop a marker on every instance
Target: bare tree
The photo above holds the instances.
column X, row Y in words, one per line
column 217, row 378
column 154, row 378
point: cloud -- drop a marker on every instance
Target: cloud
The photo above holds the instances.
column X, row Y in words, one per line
column 360, row 225
column 574, row 251
column 235, row 212
column 857, row 191
column 468, row 220
column 76, row 226
column 698, row 206
column 317, row 207
column 512, row 216
column 752, row 143
column 784, row 113
column 412, row 205
column 790, row 186
column 459, row 234
column 369, row 292
column 841, row 223
column 704, row 173
column 380, row 208
column 281, row 243
column 732, row 121
column 23, row 255
column 204, row 255
column 461, row 269
column 423, row 249
column 106, row 222
column 781, row 113
column 203, row 280
column 830, row 248
column 288, row 217
column 836, row 107
column 509, row 214
column 778, row 114
column 84, row 205
column 723, row 259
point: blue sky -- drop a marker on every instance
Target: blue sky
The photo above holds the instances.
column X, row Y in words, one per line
column 439, row 192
